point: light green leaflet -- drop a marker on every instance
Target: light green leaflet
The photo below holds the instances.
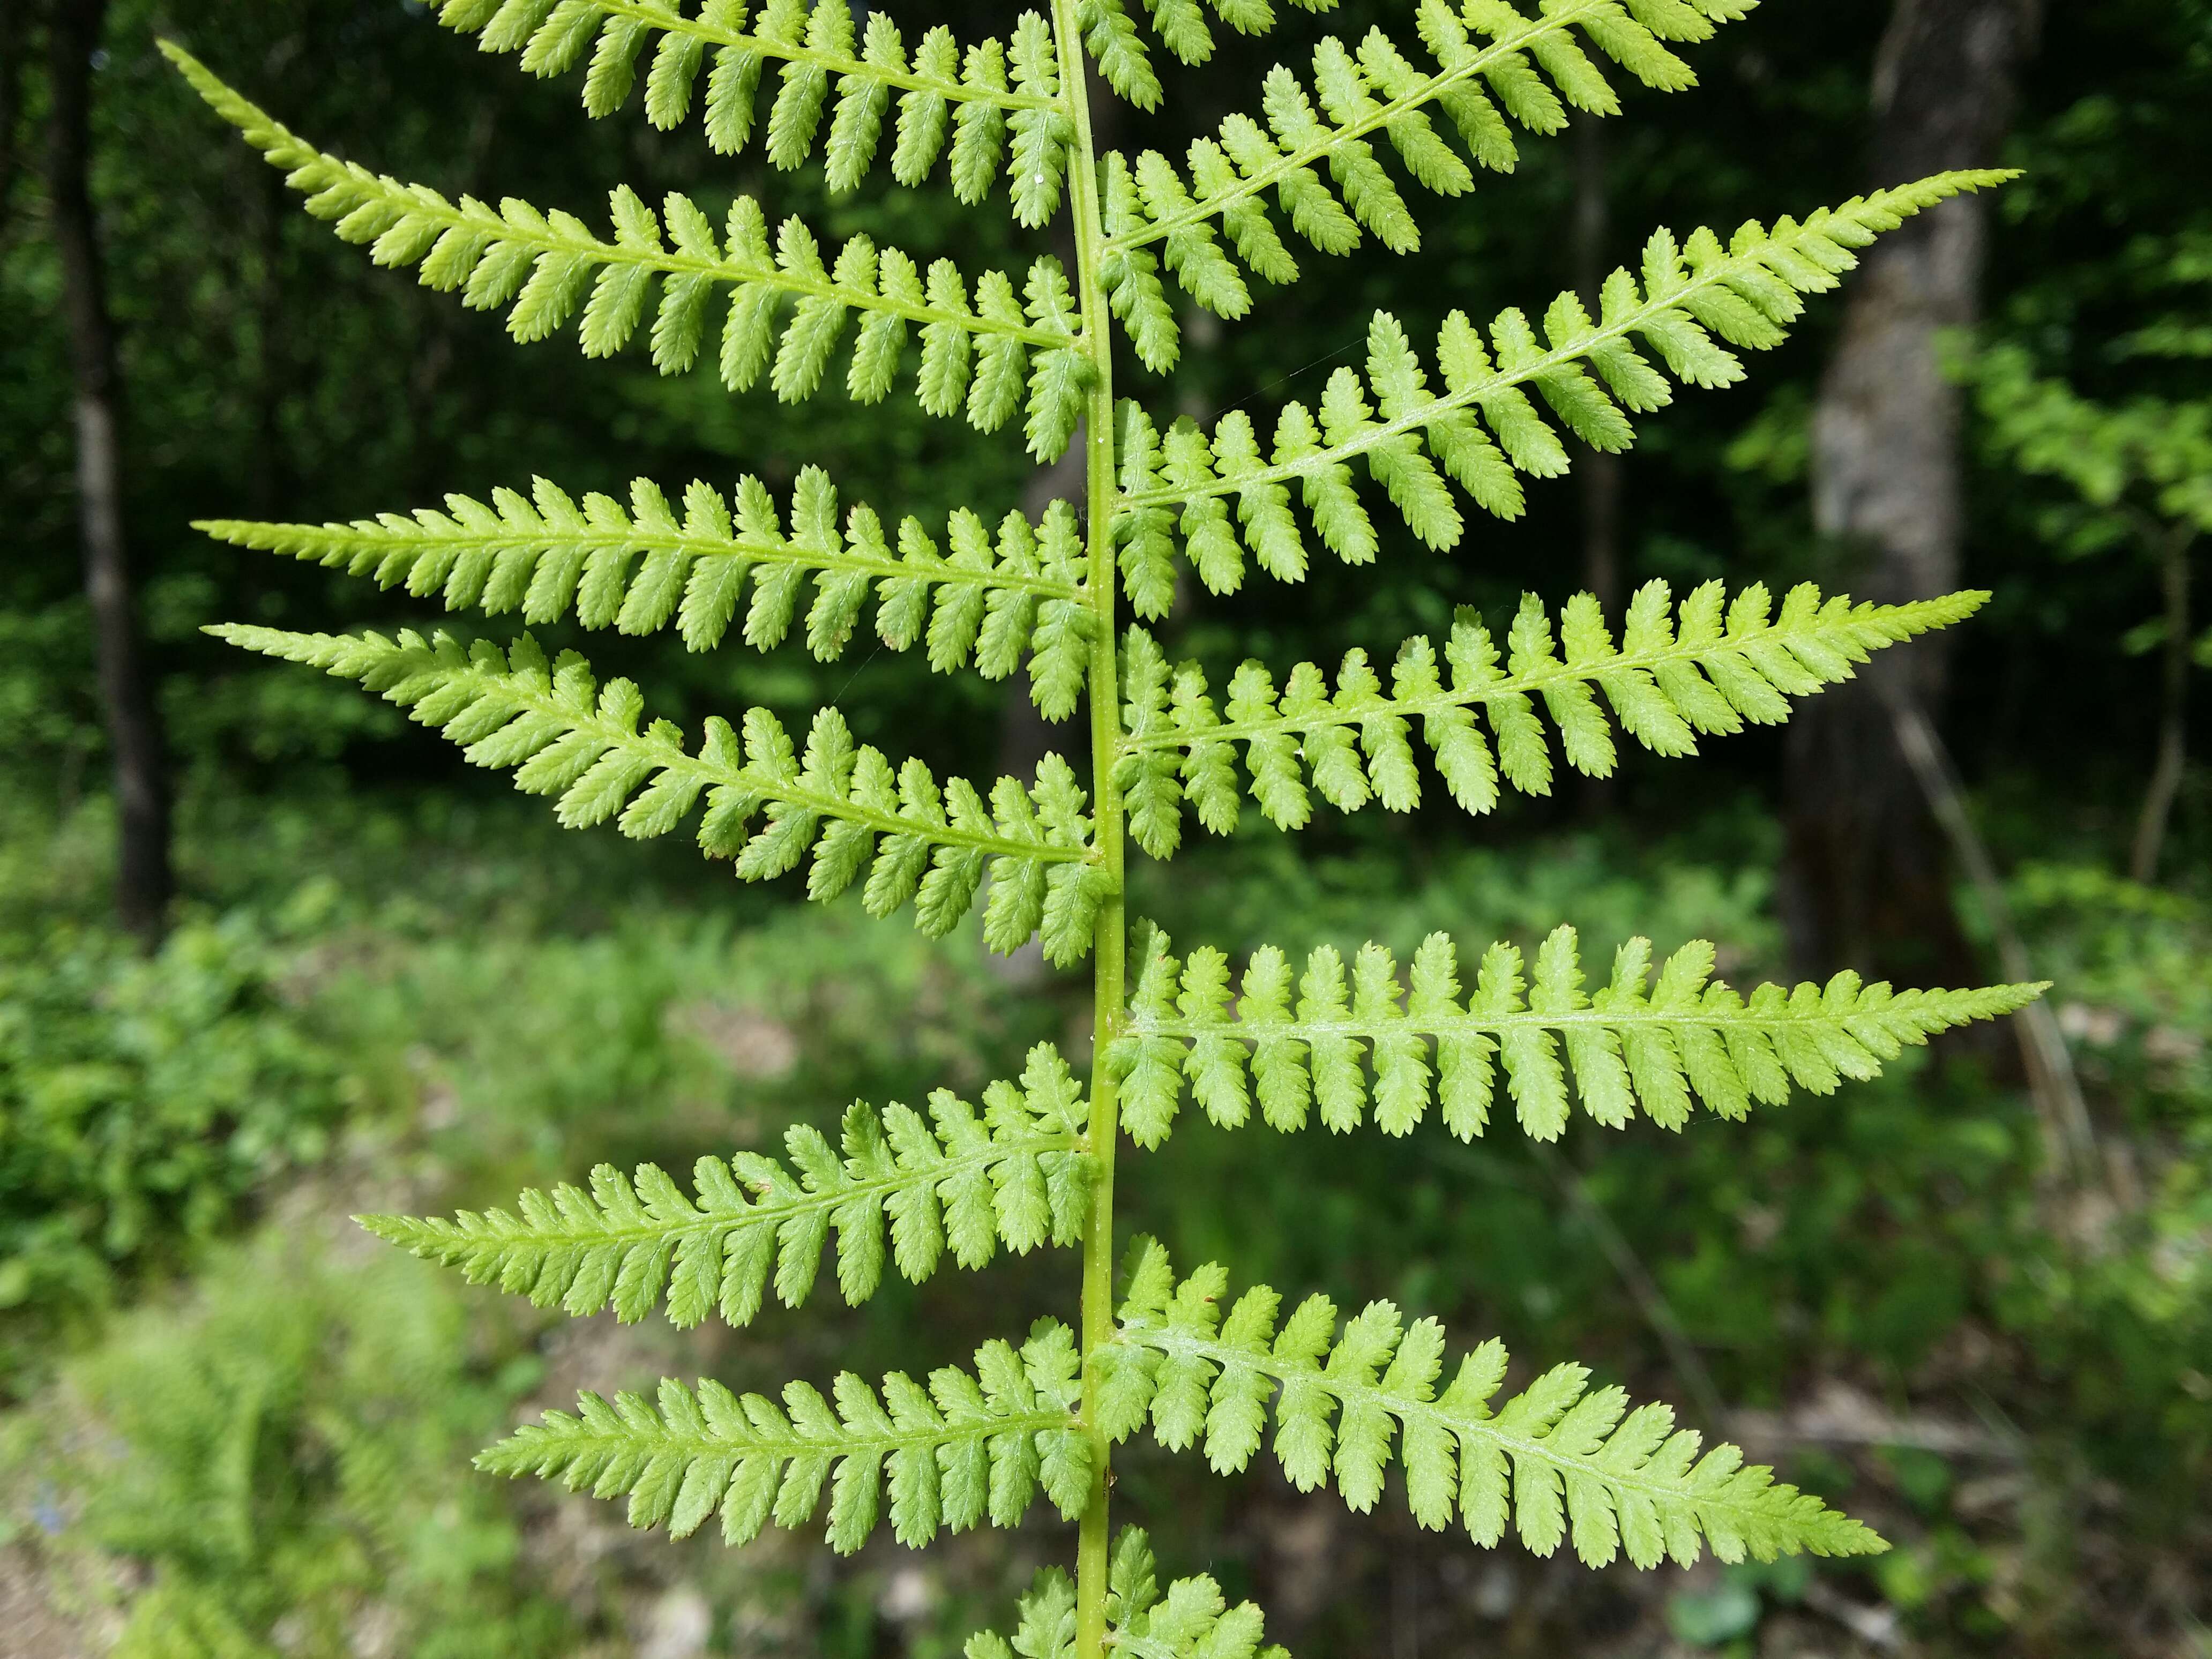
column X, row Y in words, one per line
column 1014, row 1176
column 1336, row 1044
column 1559, row 1460
column 968, row 1447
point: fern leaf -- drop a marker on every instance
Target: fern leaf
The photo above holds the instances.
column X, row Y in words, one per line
column 1488, row 69
column 566, row 736
column 789, row 303
column 1191, row 1618
column 640, row 567
column 1556, row 1461
column 1111, row 37
column 1338, row 1044
column 817, row 67
column 969, row 1448
column 1485, row 431
column 1015, row 1174
column 1702, row 668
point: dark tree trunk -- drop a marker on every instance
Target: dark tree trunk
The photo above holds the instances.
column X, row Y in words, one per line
column 1865, row 883
column 15, row 43
column 142, row 883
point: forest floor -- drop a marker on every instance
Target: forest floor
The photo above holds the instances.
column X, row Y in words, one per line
column 241, row 1426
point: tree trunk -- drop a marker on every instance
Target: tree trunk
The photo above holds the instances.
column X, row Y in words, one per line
column 2173, row 712
column 1864, row 882
column 15, row 38
column 142, row 883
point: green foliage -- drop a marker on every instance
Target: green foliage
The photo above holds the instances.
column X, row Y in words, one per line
column 2137, row 472
column 546, row 268
column 1747, row 292
column 968, row 1447
column 1189, row 1620
column 566, row 735
column 1556, row 1461
column 2157, row 450
column 284, row 1447
column 1673, row 677
column 641, row 569
column 2133, row 956
column 1016, row 1176
column 1149, row 201
column 142, row 1102
column 1631, row 1042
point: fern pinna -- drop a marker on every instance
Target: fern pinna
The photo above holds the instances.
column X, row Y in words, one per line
column 1423, row 432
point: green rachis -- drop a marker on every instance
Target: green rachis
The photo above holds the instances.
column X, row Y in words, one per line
column 1419, row 434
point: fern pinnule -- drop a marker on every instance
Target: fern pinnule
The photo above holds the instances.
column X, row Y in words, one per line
column 967, row 1449
column 990, row 359
column 952, row 1180
column 982, row 600
column 1555, row 1462
column 820, row 67
column 1356, row 94
column 1189, row 1619
column 567, row 736
column 1484, row 429
column 1335, row 1044
column 1531, row 69
column 1706, row 668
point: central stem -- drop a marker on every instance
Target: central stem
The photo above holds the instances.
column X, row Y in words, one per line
column 1106, row 945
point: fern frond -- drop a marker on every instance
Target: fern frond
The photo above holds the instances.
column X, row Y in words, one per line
column 1704, row 668
column 1114, row 42
column 1343, row 1045
column 567, row 736
column 1533, row 67
column 985, row 88
column 640, row 568
column 968, row 1448
column 1417, row 445
column 1191, row 1619
column 1632, row 1483
column 1016, row 1175
column 990, row 359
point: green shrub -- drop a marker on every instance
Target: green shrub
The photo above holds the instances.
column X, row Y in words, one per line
column 142, row 1102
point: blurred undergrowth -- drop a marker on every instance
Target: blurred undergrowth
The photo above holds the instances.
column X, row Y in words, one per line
column 264, row 1455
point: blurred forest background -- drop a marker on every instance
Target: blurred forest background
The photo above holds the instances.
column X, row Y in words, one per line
column 269, row 956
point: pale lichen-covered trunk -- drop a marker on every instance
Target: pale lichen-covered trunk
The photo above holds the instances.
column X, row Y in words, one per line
column 144, row 880
column 1865, row 879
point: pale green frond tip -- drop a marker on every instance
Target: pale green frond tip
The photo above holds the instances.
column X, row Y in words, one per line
column 964, row 1449
column 1556, row 1462
column 954, row 1180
